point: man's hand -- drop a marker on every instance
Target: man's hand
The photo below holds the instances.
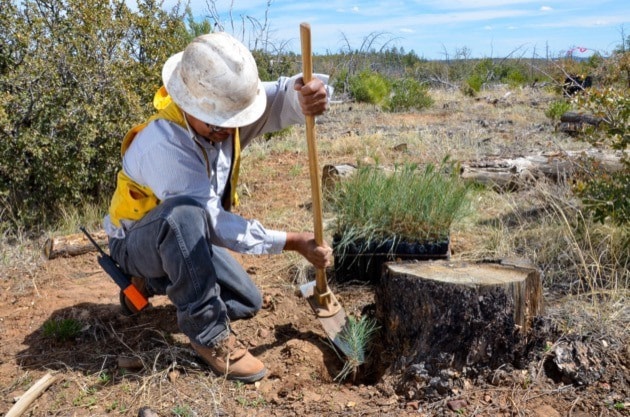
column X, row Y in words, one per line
column 312, row 96
column 304, row 243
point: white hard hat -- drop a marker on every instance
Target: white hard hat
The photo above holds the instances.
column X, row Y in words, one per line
column 215, row 79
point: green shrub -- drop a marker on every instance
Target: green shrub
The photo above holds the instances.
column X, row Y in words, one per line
column 473, row 84
column 612, row 104
column 369, row 87
column 557, row 108
column 607, row 196
column 514, row 77
column 73, row 78
column 408, row 94
column 409, row 204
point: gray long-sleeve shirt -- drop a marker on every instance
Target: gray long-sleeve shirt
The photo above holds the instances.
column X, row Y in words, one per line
column 169, row 159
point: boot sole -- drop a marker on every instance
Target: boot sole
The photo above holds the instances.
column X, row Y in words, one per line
column 248, row 379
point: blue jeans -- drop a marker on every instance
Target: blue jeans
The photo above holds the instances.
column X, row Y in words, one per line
column 171, row 248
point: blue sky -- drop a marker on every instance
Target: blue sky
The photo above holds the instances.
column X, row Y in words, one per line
column 435, row 28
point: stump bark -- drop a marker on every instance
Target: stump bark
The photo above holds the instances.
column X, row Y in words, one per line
column 456, row 315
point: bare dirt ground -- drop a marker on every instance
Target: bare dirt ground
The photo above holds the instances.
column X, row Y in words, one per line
column 163, row 373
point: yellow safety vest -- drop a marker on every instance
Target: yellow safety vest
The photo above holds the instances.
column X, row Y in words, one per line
column 131, row 201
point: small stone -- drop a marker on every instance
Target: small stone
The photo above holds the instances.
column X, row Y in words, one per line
column 267, row 301
column 147, row 412
column 457, row 404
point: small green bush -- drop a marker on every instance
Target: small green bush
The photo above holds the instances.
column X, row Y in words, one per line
column 607, row 196
column 514, row 77
column 473, row 85
column 557, row 108
column 408, row 94
column 369, row 87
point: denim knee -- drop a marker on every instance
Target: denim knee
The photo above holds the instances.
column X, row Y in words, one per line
column 182, row 209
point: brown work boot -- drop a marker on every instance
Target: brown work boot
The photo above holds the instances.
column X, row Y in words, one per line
column 128, row 309
column 230, row 358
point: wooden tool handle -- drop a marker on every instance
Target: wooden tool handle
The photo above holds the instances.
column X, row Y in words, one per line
column 316, row 189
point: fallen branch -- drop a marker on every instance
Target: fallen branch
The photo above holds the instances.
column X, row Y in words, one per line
column 29, row 396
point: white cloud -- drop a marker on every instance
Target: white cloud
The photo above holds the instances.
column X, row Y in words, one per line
column 546, row 9
column 407, row 30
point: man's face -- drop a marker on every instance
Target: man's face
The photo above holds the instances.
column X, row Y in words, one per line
column 208, row 131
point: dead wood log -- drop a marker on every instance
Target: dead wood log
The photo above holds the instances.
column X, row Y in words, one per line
column 456, row 315
column 508, row 174
column 72, row 245
column 574, row 123
column 513, row 174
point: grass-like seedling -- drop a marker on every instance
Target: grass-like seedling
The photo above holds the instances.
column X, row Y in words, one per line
column 356, row 335
column 409, row 204
column 61, row 330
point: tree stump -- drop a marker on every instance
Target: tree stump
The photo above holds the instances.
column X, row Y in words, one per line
column 457, row 315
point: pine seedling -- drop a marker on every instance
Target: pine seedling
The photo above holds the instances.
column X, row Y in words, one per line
column 356, row 335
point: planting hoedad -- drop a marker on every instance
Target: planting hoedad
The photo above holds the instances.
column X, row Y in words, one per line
column 383, row 216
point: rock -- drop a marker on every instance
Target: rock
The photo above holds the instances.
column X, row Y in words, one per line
column 574, row 362
column 457, row 404
column 147, row 412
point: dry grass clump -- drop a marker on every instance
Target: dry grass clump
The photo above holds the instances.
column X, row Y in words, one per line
column 547, row 225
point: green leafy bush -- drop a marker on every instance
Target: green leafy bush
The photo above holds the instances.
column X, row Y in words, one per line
column 514, row 77
column 557, row 108
column 74, row 77
column 612, row 104
column 369, row 87
column 473, row 84
column 408, row 94
column 607, row 196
